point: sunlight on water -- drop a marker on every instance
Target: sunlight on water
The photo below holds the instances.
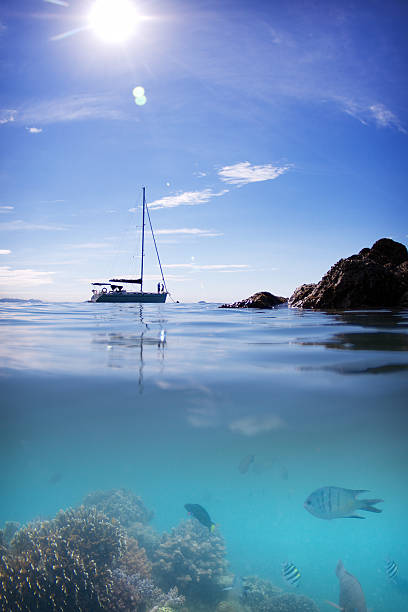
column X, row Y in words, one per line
column 244, row 412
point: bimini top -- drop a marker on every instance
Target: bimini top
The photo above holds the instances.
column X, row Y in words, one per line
column 125, row 280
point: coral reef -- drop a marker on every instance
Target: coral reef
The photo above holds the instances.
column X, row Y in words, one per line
column 121, row 505
column 146, row 536
column 134, row 560
column 8, row 531
column 262, row 596
column 62, row 564
column 192, row 559
column 136, row 592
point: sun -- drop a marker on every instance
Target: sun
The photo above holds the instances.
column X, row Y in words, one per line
column 113, row 21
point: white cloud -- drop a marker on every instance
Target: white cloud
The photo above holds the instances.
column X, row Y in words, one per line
column 193, row 231
column 6, row 209
column 34, row 130
column 7, row 115
column 5, row 251
column 251, row 425
column 243, row 173
column 188, row 198
column 11, row 279
column 23, row 225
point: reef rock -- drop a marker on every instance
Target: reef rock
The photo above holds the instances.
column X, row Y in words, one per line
column 374, row 278
column 262, row 299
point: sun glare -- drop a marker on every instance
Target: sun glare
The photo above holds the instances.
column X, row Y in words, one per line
column 113, row 21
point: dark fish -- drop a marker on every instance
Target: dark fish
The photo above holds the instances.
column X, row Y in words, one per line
column 245, row 463
column 201, row 515
column 391, row 569
column 335, row 502
column 351, row 594
column 290, row 573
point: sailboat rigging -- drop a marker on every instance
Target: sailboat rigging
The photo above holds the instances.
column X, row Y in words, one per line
column 116, row 292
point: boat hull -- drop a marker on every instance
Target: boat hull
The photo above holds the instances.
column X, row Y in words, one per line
column 134, row 297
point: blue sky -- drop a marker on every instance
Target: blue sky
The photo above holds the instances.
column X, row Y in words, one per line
column 273, row 141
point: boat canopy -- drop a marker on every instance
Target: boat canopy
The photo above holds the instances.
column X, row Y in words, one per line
column 126, row 280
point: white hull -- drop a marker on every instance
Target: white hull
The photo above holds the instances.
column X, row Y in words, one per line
column 120, row 297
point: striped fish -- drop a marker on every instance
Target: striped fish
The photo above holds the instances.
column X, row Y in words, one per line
column 290, row 573
column 391, row 569
column 334, row 502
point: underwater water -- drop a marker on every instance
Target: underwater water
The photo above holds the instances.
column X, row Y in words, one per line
column 170, row 401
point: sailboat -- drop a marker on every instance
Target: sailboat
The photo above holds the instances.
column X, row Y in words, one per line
column 114, row 291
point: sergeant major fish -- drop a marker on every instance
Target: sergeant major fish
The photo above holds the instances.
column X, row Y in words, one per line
column 334, row 502
column 201, row 515
column 290, row 573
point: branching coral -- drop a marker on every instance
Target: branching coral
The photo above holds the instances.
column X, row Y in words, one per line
column 121, row 505
column 262, row 596
column 136, row 592
column 134, row 560
column 63, row 564
column 193, row 559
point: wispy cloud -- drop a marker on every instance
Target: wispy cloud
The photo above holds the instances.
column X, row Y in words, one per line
column 10, row 279
column 187, row 198
column 6, row 209
column 192, row 231
column 24, row 225
column 7, row 115
column 367, row 113
column 5, row 251
column 252, row 425
column 243, row 173
column 34, row 130
column 70, row 108
column 88, row 245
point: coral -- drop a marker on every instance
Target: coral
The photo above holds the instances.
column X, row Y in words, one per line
column 262, row 596
column 8, row 531
column 121, row 505
column 135, row 592
column 62, row 564
column 193, row 559
column 146, row 536
column 134, row 560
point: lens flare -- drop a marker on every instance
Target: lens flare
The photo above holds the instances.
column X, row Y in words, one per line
column 138, row 92
column 113, row 21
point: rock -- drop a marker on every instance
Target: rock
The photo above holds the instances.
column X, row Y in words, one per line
column 374, row 278
column 262, row 299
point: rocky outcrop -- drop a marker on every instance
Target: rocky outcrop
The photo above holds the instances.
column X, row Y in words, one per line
column 374, row 278
column 262, row 299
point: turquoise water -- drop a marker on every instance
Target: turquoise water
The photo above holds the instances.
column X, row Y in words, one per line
column 167, row 400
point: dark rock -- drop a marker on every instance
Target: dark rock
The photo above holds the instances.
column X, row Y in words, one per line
column 262, row 299
column 375, row 278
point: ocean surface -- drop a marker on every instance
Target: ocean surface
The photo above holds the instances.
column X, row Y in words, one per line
column 168, row 400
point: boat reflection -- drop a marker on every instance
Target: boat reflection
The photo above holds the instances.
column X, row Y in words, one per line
column 126, row 350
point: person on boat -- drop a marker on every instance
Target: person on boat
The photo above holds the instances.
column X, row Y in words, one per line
column 158, row 287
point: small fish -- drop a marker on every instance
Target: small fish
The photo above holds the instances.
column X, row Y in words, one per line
column 334, row 502
column 391, row 569
column 351, row 597
column 201, row 515
column 245, row 463
column 290, row 573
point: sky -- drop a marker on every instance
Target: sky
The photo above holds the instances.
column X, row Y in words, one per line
column 271, row 138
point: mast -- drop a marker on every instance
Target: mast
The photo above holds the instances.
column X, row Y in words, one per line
column 143, row 230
